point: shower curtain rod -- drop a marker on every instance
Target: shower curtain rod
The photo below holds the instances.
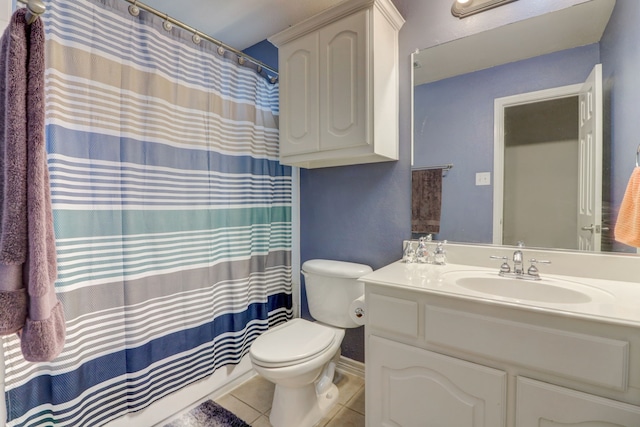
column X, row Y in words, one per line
column 36, row 8
column 198, row 34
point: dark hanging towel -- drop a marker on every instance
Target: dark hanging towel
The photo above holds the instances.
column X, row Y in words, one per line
column 28, row 265
column 426, row 200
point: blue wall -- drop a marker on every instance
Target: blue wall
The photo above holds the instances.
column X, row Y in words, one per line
column 454, row 124
column 358, row 214
column 620, row 53
column 265, row 52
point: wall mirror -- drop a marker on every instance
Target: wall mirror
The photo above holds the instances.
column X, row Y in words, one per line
column 520, row 85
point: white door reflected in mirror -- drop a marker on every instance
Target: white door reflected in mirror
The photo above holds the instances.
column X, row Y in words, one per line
column 548, row 167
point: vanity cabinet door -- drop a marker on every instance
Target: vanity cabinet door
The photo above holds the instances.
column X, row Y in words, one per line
column 411, row 387
column 544, row 405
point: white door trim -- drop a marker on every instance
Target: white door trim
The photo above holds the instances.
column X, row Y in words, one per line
column 500, row 104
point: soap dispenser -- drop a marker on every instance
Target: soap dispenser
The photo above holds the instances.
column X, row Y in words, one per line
column 428, row 242
column 422, row 253
column 409, row 254
column 440, row 254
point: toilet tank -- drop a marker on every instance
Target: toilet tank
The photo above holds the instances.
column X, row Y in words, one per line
column 331, row 287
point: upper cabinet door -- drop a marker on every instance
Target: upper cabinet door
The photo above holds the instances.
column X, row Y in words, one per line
column 344, row 80
column 299, row 133
column 338, row 71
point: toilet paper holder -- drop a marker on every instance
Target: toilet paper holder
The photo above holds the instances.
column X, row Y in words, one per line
column 358, row 311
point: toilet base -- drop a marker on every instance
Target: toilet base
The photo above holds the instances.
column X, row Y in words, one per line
column 302, row 406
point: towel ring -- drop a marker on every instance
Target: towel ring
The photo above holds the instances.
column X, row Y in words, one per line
column 638, row 157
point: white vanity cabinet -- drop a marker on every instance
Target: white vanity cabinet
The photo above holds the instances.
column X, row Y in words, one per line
column 439, row 360
column 545, row 405
column 417, row 387
column 339, row 86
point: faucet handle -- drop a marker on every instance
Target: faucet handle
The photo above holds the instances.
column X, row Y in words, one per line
column 533, row 270
column 539, row 261
column 504, row 268
column 521, row 244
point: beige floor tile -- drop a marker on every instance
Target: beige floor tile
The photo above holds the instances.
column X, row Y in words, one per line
column 263, row 421
column 348, row 385
column 239, row 408
column 332, row 413
column 257, row 393
column 357, row 401
column 347, row 418
column 252, row 400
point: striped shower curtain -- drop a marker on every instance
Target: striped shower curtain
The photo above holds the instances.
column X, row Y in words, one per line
column 171, row 212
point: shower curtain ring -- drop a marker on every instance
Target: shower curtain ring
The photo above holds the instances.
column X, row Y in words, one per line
column 166, row 24
column 196, row 38
column 134, row 10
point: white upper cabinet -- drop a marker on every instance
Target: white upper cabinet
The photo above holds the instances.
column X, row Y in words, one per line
column 339, row 86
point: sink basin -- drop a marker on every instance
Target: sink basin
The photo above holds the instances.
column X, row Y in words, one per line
column 549, row 290
column 519, row 289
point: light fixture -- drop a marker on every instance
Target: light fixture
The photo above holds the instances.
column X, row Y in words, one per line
column 464, row 8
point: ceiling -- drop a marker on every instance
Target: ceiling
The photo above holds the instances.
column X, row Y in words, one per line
column 240, row 23
column 578, row 25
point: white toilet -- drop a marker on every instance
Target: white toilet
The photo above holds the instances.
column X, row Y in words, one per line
column 300, row 356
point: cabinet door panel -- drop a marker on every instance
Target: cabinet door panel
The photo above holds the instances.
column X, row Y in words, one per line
column 299, row 132
column 544, row 405
column 344, row 81
column 408, row 386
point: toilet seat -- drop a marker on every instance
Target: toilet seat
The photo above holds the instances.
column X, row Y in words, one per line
column 294, row 342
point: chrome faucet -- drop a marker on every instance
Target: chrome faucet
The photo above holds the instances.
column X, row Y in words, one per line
column 517, row 259
column 518, row 270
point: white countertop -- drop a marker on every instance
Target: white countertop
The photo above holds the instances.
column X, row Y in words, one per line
column 611, row 301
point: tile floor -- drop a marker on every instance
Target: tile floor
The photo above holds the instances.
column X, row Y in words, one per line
column 251, row 401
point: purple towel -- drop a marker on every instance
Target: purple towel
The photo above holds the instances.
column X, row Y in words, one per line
column 426, row 200
column 28, row 270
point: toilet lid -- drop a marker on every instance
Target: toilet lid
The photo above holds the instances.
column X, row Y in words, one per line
column 292, row 342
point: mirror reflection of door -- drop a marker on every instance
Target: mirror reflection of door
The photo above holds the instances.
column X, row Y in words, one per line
column 547, row 180
column 590, row 174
